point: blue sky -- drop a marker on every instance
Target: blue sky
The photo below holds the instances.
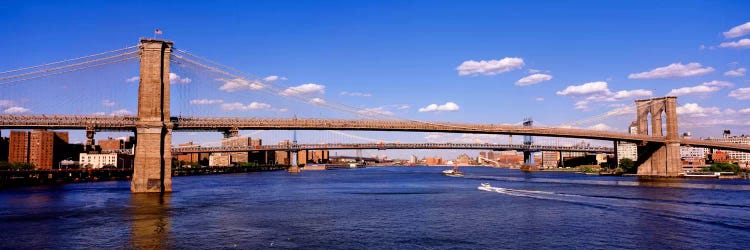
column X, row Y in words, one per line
column 591, row 57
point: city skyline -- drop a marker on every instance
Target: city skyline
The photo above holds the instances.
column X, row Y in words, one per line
column 452, row 62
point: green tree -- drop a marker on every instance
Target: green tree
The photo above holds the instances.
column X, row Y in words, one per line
column 628, row 166
column 724, row 167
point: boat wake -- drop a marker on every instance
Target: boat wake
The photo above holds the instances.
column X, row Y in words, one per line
column 663, row 208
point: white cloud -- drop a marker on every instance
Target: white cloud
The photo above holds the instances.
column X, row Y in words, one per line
column 6, row 103
column 719, row 84
column 533, row 79
column 741, row 44
column 738, row 31
column 238, row 84
column 695, row 110
column 740, row 94
column 355, row 94
column 133, row 79
column 206, row 101
column 273, row 78
column 695, row 90
column 98, row 113
column 176, row 79
column 736, row 72
column 632, row 94
column 491, row 67
column 591, row 88
column 602, row 127
column 582, row 105
column 402, row 106
column 239, row 106
column 375, row 111
column 599, row 92
column 305, row 90
column 16, row 110
column 744, row 111
column 674, row 70
column 317, row 101
column 108, row 103
column 121, row 112
column 705, row 88
column 448, row 106
column 534, row 71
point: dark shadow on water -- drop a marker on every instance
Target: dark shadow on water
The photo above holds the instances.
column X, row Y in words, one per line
column 150, row 221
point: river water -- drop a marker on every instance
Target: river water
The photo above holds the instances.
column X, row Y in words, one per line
column 388, row 207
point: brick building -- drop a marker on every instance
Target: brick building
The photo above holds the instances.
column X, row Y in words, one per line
column 240, row 141
column 42, row 148
column 192, row 157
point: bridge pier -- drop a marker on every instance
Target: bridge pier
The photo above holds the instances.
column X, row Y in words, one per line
column 152, row 171
column 528, row 157
column 659, row 159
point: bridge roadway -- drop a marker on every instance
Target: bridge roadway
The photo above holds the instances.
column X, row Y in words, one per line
column 385, row 146
column 128, row 123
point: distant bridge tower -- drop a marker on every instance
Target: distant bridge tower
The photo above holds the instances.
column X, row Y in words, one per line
column 528, row 155
column 658, row 159
column 152, row 171
column 527, row 139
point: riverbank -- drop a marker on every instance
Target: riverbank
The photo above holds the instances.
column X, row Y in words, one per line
column 22, row 178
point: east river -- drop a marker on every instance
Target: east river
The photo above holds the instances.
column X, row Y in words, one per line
column 386, row 207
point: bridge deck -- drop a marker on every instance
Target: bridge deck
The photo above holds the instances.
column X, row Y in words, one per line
column 386, row 146
column 115, row 123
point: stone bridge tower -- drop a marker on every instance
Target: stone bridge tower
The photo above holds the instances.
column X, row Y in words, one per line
column 658, row 159
column 152, row 171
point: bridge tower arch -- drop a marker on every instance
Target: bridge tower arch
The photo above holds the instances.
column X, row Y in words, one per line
column 152, row 170
column 658, row 159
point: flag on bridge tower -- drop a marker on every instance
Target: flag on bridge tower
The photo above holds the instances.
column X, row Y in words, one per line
column 157, row 32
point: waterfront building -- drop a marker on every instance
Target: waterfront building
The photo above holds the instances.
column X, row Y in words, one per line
column 434, row 160
column 192, row 157
column 413, row 159
column 463, row 159
column 550, row 159
column 116, row 143
column 317, row 156
column 262, row 157
column 571, row 155
column 104, row 160
column 742, row 157
column 505, row 158
column 94, row 160
column 692, row 152
column 239, row 141
column 720, row 157
column 219, row 159
column 628, row 149
column 601, row 158
column 42, row 148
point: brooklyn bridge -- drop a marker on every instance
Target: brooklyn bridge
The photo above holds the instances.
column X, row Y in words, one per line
column 658, row 153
